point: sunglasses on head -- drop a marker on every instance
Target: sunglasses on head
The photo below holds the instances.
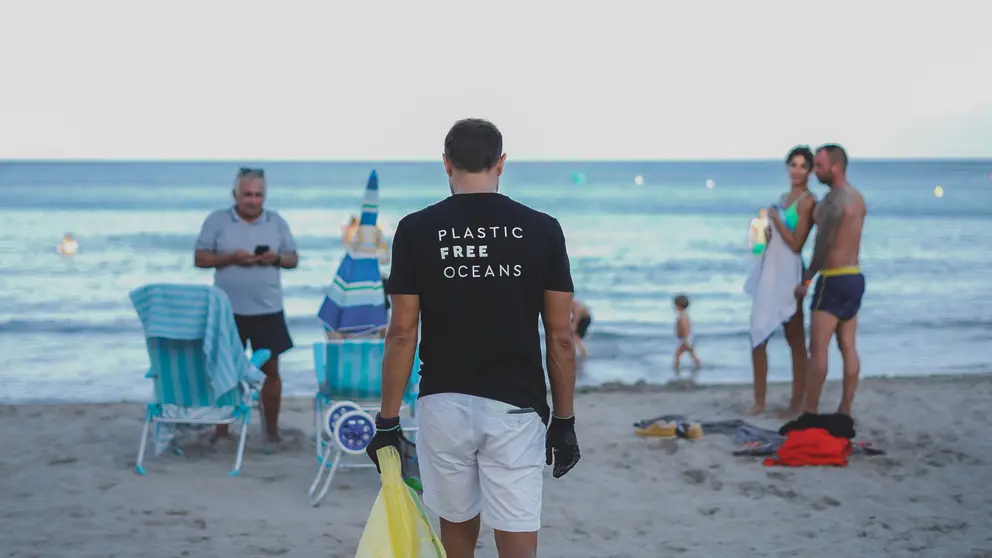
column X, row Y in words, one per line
column 245, row 171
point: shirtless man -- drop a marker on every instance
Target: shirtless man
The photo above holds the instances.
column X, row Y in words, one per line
column 839, row 218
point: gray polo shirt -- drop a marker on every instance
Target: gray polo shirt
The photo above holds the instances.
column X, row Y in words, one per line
column 253, row 290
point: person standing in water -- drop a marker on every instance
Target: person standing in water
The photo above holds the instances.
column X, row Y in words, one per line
column 793, row 223
column 581, row 319
column 840, row 218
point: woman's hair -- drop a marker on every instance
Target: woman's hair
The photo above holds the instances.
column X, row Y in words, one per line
column 682, row 302
column 802, row 151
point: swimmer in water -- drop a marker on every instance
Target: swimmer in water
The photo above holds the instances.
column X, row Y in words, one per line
column 581, row 318
column 381, row 247
column 68, row 246
column 349, row 231
column 683, row 332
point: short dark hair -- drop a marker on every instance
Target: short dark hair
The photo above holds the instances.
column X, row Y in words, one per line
column 836, row 153
column 682, row 302
column 801, row 151
column 473, row 145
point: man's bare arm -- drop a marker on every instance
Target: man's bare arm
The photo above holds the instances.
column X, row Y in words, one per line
column 556, row 316
column 830, row 212
column 289, row 260
column 205, row 259
column 401, row 348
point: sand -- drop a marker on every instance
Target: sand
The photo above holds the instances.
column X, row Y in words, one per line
column 68, row 488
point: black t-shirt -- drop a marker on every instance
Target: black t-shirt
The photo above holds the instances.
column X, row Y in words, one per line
column 480, row 264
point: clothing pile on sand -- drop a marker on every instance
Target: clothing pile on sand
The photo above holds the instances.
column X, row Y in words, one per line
column 810, row 440
column 823, row 440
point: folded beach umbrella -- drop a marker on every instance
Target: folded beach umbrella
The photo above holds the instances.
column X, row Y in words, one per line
column 355, row 301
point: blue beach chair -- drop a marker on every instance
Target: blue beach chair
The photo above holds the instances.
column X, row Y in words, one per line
column 349, row 380
column 199, row 369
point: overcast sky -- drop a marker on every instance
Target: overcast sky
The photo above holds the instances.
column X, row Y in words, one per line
column 575, row 79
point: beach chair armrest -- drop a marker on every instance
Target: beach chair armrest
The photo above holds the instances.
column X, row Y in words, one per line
column 260, row 357
column 248, row 391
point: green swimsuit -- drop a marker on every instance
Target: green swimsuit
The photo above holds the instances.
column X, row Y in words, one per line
column 790, row 215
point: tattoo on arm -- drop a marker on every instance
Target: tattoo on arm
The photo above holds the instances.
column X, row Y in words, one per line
column 830, row 211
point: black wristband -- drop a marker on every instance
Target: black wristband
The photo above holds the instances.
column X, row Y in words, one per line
column 570, row 421
column 385, row 424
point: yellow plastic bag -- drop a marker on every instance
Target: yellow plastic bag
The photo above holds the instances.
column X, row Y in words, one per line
column 397, row 527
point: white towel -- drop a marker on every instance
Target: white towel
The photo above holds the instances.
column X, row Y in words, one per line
column 772, row 284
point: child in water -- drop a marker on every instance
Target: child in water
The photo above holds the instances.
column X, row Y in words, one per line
column 683, row 332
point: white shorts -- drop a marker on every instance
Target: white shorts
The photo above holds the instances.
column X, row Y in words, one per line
column 480, row 456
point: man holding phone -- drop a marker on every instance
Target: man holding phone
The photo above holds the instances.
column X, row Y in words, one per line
column 248, row 246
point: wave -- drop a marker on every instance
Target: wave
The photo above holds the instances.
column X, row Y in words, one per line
column 560, row 205
column 173, row 242
column 601, row 331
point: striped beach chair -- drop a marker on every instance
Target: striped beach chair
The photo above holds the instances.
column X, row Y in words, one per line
column 349, row 380
column 199, row 369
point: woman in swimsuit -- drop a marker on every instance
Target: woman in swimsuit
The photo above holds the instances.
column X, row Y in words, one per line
column 792, row 220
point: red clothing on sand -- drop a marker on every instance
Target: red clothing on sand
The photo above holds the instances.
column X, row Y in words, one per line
column 813, row 446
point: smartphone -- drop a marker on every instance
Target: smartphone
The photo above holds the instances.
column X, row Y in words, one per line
column 261, row 249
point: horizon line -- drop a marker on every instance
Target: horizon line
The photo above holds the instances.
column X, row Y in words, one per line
column 422, row 161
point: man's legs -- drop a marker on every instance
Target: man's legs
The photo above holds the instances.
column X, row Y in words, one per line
column 272, row 397
column 822, row 326
column 449, row 470
column 511, row 476
column 581, row 346
column 516, row 545
column 459, row 539
column 271, row 401
column 852, row 363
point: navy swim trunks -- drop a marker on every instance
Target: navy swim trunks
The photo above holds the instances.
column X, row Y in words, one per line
column 838, row 292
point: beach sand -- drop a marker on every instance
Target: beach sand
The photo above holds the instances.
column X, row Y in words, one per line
column 68, row 487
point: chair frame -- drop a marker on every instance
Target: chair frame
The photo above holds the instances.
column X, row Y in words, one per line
column 241, row 413
column 329, row 456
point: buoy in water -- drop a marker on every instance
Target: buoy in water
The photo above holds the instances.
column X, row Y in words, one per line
column 68, row 246
column 710, row 183
column 938, row 191
column 578, row 178
column 639, row 180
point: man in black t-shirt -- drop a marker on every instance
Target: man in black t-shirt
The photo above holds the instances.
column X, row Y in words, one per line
column 477, row 270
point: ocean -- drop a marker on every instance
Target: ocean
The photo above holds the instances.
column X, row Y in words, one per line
column 68, row 332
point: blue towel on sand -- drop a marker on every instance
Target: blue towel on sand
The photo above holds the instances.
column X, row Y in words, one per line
column 193, row 312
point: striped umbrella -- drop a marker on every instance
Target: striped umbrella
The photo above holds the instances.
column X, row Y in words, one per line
column 355, row 302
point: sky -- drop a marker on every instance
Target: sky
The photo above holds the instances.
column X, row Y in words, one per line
column 563, row 80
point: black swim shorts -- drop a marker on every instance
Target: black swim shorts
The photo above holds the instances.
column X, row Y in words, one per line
column 265, row 331
column 583, row 326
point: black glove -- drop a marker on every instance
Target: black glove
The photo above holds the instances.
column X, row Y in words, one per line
column 387, row 433
column 562, row 445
